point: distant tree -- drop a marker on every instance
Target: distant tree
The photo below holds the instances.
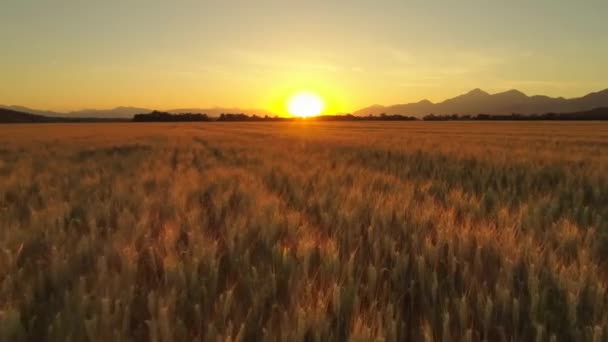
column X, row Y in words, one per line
column 157, row 116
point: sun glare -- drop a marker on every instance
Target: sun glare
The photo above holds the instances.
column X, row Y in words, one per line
column 305, row 105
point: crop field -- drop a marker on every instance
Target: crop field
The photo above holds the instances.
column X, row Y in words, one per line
column 304, row 231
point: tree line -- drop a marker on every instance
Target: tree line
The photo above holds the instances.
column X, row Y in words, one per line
column 594, row 114
column 157, row 116
column 11, row 116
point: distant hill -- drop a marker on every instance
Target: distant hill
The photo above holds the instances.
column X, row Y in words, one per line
column 129, row 112
column 118, row 112
column 115, row 113
column 478, row 101
column 14, row 116
column 32, row 111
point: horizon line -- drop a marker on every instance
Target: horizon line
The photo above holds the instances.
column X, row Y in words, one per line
column 217, row 107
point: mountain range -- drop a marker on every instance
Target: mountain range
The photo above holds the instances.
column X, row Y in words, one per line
column 474, row 102
column 478, row 101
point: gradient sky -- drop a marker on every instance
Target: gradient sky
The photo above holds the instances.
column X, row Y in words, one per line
column 67, row 55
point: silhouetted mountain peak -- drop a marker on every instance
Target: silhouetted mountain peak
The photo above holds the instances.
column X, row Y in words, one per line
column 478, row 101
column 512, row 92
column 598, row 94
column 511, row 95
column 477, row 92
column 472, row 96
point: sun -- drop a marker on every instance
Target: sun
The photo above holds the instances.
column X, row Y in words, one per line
column 305, row 105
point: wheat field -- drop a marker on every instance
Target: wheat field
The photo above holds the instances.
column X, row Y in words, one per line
column 304, row 231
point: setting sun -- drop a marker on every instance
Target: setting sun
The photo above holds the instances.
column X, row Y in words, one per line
column 305, row 105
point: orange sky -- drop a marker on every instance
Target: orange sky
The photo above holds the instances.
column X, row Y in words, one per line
column 157, row 54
